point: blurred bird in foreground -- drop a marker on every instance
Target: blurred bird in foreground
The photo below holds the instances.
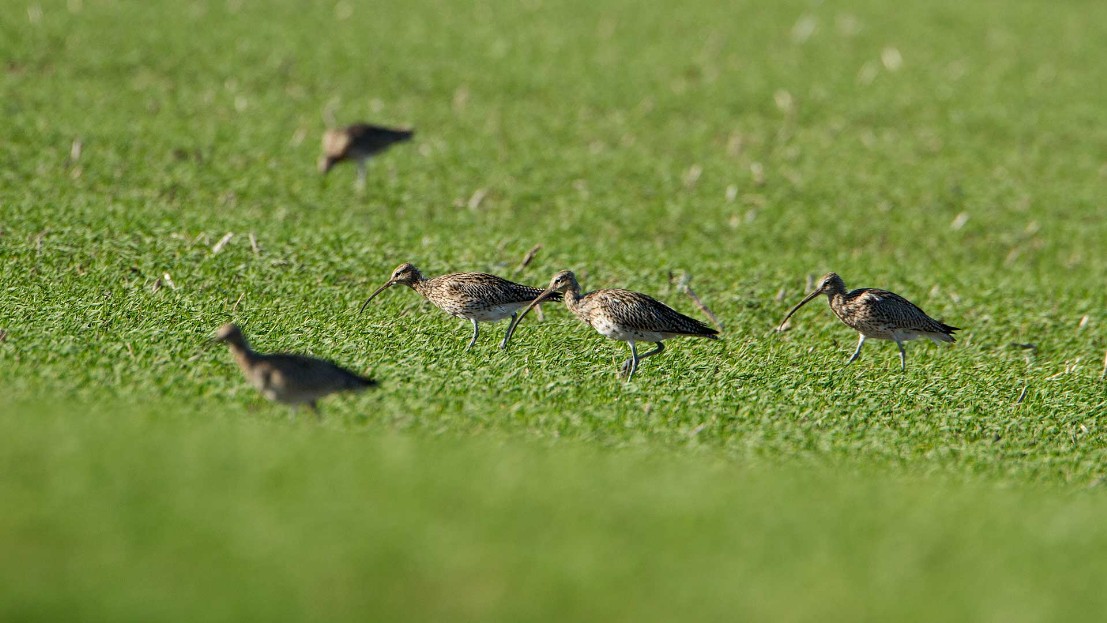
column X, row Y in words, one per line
column 287, row 378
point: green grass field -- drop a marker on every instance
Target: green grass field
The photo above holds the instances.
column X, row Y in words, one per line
column 952, row 152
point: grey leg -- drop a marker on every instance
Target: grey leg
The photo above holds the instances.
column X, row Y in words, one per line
column 476, row 332
column 657, row 351
column 362, row 168
column 507, row 333
column 630, row 365
column 857, row 353
column 510, row 331
column 315, row 409
column 902, row 357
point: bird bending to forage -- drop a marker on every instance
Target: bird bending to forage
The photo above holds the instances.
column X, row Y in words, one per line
column 290, row 379
column 621, row 315
column 476, row 297
column 877, row 314
column 359, row 142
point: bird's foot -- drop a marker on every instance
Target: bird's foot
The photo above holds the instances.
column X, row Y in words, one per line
column 628, row 369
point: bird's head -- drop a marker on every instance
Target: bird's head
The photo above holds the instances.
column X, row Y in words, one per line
column 335, row 145
column 562, row 282
column 229, row 334
column 405, row 274
column 829, row 285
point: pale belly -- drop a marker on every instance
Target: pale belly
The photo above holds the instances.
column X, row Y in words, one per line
column 614, row 331
column 875, row 333
column 279, row 392
column 897, row 335
column 489, row 314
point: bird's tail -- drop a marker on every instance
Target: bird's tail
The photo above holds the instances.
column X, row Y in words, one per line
column 943, row 334
column 358, row 383
column 704, row 330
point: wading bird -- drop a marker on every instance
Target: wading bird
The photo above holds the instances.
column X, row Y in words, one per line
column 359, row 142
column 621, row 315
column 877, row 314
column 290, row 379
column 476, row 297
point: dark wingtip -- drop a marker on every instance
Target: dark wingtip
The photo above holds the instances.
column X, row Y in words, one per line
column 703, row 330
column 708, row 330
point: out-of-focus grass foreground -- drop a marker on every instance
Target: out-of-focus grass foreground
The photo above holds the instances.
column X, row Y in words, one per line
column 159, row 180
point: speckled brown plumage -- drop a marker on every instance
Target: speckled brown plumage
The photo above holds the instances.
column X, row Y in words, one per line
column 878, row 314
column 358, row 142
column 288, row 378
column 476, row 297
column 622, row 315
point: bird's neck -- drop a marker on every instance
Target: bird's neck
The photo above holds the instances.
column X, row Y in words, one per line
column 572, row 298
column 244, row 356
column 420, row 285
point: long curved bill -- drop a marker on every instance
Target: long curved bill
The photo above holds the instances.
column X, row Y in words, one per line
column 376, row 292
column 511, row 330
column 805, row 301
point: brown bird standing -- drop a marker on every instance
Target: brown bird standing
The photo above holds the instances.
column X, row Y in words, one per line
column 359, row 142
column 621, row 315
column 287, row 378
column 877, row 314
column 476, row 297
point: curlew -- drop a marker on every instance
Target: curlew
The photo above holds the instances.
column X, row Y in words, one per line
column 476, row 297
column 287, row 378
column 877, row 314
column 622, row 315
column 359, row 142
